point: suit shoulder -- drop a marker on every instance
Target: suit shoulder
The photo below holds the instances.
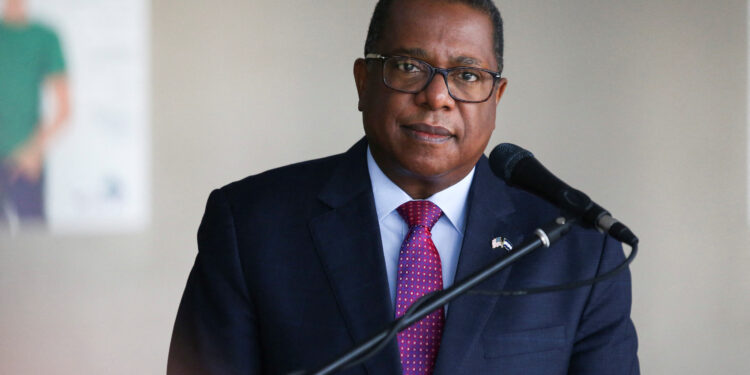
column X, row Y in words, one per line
column 293, row 181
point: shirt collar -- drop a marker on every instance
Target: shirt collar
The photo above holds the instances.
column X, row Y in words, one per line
column 388, row 196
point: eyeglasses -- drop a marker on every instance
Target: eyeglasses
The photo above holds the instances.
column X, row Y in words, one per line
column 410, row 75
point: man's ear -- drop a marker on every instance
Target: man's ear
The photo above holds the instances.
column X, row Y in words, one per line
column 501, row 85
column 360, row 79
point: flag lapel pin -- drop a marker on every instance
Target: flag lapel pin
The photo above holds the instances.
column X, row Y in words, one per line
column 502, row 243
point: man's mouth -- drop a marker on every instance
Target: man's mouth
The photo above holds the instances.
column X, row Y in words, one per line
column 428, row 133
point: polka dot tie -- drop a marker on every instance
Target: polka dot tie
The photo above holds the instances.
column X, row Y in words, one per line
column 419, row 272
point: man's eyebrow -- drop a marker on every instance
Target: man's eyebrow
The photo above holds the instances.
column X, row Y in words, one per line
column 422, row 54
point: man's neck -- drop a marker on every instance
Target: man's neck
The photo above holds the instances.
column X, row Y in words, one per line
column 421, row 187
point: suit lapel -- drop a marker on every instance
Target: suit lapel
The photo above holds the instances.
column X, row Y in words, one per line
column 347, row 239
column 489, row 213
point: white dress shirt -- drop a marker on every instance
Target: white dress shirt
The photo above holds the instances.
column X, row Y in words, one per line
column 447, row 234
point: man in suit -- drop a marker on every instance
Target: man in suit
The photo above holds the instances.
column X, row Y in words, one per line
column 298, row 264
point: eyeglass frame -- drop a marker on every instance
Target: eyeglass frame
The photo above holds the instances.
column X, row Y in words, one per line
column 432, row 71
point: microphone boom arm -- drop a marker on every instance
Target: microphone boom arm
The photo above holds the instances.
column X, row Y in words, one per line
column 544, row 237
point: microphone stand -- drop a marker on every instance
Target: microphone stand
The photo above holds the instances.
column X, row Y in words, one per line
column 544, row 236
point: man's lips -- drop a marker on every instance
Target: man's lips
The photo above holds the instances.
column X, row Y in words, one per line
column 427, row 132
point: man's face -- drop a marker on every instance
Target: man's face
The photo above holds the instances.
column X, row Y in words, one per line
column 428, row 136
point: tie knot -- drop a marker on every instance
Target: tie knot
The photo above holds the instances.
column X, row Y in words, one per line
column 420, row 213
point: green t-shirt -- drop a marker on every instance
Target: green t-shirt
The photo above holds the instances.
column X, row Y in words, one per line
column 28, row 54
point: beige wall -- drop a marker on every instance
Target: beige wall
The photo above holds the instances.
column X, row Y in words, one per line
column 642, row 104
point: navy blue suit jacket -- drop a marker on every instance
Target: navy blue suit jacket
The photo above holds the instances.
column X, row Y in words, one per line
column 290, row 274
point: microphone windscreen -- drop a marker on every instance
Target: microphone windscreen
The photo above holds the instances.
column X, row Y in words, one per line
column 504, row 157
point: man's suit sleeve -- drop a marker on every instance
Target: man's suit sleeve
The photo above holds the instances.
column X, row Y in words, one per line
column 215, row 331
column 606, row 341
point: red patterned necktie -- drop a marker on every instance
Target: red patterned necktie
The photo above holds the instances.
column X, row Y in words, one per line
column 419, row 272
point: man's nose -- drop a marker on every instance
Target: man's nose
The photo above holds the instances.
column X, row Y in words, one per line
column 436, row 96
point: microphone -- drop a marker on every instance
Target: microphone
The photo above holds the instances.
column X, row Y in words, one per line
column 519, row 167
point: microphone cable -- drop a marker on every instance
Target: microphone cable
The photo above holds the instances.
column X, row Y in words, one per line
column 566, row 286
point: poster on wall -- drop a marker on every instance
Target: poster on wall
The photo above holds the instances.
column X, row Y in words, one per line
column 74, row 116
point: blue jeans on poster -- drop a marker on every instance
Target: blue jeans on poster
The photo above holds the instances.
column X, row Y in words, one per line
column 21, row 197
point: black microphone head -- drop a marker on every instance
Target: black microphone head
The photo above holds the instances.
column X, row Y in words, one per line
column 504, row 157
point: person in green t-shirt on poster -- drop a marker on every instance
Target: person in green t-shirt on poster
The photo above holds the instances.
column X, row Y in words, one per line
column 31, row 60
